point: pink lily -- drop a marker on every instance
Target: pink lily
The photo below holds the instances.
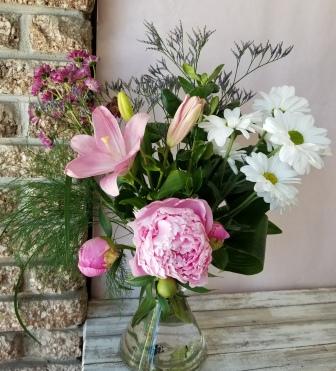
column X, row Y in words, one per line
column 109, row 151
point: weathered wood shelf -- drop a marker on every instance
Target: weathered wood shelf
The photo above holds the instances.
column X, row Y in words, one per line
column 281, row 330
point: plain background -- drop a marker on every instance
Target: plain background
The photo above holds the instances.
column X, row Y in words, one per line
column 304, row 256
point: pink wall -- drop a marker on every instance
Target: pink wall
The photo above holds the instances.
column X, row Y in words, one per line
column 305, row 255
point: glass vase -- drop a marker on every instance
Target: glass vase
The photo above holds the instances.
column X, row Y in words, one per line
column 164, row 342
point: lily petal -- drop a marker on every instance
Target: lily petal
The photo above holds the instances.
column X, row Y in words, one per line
column 109, row 183
column 88, row 165
column 135, row 130
column 83, row 144
column 107, row 132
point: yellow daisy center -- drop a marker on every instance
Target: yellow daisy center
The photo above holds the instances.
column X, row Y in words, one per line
column 296, row 137
column 271, row 177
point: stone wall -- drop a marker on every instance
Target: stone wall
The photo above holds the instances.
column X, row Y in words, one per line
column 52, row 303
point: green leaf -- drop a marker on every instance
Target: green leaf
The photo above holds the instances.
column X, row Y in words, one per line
column 145, row 306
column 216, row 72
column 105, row 223
column 170, row 101
column 201, row 149
column 246, row 250
column 175, row 182
column 213, row 104
column 205, row 90
column 156, row 131
column 204, row 78
column 140, row 281
column 220, row 258
column 190, row 71
column 133, row 201
column 179, row 308
column 200, row 290
column 197, row 179
column 186, row 85
column 273, row 229
column 165, row 308
column 232, row 105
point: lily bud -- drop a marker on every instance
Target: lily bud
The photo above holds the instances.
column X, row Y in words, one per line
column 217, row 236
column 185, row 117
column 96, row 256
column 125, row 106
column 167, row 287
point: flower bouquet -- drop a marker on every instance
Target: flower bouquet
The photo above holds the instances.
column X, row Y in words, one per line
column 173, row 159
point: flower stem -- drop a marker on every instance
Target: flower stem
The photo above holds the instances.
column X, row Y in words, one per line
column 165, row 158
column 248, row 201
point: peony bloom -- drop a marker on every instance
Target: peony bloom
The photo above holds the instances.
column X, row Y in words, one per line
column 217, row 235
column 171, row 239
column 109, row 151
column 96, row 256
column 185, row 117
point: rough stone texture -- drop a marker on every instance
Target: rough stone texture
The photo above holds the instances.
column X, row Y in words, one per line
column 52, row 280
column 58, row 345
column 83, row 5
column 9, row 31
column 8, row 278
column 16, row 76
column 48, row 125
column 57, row 34
column 9, row 121
column 10, row 347
column 50, row 313
column 7, row 201
column 34, row 366
column 15, row 161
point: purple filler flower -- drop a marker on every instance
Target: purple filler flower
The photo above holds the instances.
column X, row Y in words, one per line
column 46, row 142
column 92, row 84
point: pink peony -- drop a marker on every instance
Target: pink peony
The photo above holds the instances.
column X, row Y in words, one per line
column 217, row 235
column 171, row 239
column 96, row 256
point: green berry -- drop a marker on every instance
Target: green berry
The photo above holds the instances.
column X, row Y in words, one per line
column 167, row 287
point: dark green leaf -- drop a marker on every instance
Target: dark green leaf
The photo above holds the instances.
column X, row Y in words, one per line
column 175, row 182
column 246, row 250
column 273, row 229
column 145, row 306
column 165, row 308
column 179, row 308
column 186, row 85
column 170, row 101
column 140, row 281
column 156, row 131
column 200, row 290
column 205, row 90
column 213, row 105
column 197, row 178
column 105, row 223
column 220, row 258
column 215, row 73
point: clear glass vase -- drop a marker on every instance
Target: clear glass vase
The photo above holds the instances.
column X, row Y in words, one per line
column 171, row 343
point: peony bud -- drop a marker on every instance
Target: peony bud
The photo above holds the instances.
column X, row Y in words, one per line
column 185, row 117
column 167, row 287
column 125, row 106
column 217, row 236
column 96, row 256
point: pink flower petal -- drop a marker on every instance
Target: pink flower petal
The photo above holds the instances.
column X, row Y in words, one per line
column 90, row 165
column 107, row 132
column 83, row 144
column 134, row 131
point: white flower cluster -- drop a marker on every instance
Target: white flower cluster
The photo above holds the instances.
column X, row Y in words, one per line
column 294, row 143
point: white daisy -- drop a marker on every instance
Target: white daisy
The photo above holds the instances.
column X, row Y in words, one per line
column 282, row 99
column 302, row 143
column 219, row 129
column 272, row 180
column 236, row 154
